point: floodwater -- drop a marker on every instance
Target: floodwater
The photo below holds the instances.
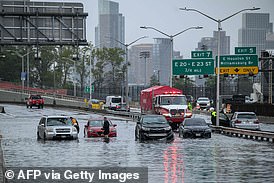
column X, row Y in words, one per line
column 219, row 159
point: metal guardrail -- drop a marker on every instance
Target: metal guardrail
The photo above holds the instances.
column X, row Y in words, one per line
column 242, row 133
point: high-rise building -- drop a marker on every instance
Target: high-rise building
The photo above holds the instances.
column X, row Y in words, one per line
column 140, row 69
column 111, row 26
column 161, row 59
column 256, row 31
column 211, row 43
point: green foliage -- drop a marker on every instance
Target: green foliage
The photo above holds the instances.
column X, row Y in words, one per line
column 154, row 80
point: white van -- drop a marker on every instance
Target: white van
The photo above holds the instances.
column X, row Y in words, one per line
column 113, row 101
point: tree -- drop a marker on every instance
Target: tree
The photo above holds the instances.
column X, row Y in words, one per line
column 154, row 80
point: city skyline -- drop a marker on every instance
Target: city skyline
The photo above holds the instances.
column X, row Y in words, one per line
column 166, row 16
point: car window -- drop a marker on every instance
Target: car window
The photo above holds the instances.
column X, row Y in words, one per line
column 116, row 100
column 42, row 121
column 195, row 122
column 36, row 97
column 154, row 119
column 58, row 122
column 97, row 123
column 247, row 116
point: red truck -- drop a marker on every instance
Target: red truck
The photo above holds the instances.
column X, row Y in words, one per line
column 166, row 101
column 35, row 100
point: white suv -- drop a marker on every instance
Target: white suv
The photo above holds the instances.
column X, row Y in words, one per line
column 56, row 127
column 203, row 103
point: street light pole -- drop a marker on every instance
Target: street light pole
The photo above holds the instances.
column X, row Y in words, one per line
column 126, row 47
column 171, row 45
column 219, row 21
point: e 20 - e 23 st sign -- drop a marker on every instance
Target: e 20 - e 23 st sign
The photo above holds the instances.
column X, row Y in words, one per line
column 193, row 66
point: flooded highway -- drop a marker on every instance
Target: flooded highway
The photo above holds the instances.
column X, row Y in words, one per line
column 219, row 159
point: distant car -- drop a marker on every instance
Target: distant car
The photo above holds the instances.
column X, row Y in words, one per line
column 203, row 103
column 93, row 128
column 152, row 127
column 113, row 101
column 245, row 120
column 56, row 127
column 194, row 127
column 122, row 107
column 95, row 104
column 35, row 100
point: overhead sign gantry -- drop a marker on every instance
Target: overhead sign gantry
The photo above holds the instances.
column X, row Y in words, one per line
column 42, row 23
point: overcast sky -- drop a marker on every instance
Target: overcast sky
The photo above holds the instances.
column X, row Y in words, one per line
column 166, row 16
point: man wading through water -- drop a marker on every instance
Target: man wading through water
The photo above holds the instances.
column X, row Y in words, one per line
column 106, row 127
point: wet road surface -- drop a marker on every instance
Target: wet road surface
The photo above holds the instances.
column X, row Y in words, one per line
column 219, row 159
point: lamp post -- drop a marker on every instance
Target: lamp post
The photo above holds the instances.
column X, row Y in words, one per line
column 219, row 21
column 126, row 47
column 171, row 45
column 23, row 66
column 74, row 72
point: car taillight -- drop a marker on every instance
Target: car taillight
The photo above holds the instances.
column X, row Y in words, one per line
column 237, row 121
column 117, row 107
column 256, row 122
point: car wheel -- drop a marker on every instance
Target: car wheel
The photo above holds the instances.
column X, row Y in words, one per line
column 45, row 136
column 42, row 106
column 27, row 106
column 30, row 106
column 209, row 135
column 85, row 133
column 141, row 137
column 39, row 106
column 38, row 137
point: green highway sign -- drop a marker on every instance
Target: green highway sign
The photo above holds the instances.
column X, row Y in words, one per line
column 87, row 89
column 193, row 66
column 238, row 60
column 245, row 50
column 201, row 54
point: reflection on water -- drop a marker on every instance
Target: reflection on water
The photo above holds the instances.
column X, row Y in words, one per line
column 219, row 159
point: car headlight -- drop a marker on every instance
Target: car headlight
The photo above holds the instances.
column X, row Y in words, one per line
column 90, row 130
column 208, row 130
column 167, row 114
column 145, row 129
column 168, row 128
column 74, row 129
column 49, row 129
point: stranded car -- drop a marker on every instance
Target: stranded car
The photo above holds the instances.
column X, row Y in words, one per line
column 194, row 127
column 35, row 100
column 245, row 120
column 93, row 128
column 56, row 127
column 153, row 127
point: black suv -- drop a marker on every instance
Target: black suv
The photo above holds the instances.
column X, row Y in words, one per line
column 152, row 127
